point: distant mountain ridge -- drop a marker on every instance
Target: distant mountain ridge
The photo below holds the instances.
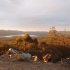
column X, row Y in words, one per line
column 37, row 33
column 15, row 32
column 9, row 32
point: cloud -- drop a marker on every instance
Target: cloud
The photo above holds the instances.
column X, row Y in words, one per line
column 34, row 13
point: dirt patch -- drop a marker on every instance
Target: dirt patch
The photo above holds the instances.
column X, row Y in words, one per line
column 7, row 63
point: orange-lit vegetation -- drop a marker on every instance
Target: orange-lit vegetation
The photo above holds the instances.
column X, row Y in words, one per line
column 56, row 45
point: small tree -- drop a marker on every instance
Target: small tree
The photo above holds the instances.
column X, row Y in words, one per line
column 52, row 32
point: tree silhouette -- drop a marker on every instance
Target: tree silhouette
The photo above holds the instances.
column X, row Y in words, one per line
column 52, row 32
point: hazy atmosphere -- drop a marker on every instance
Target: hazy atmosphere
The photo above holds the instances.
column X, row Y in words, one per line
column 34, row 15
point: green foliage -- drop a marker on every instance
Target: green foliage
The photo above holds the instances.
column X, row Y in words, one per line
column 25, row 43
column 57, row 46
column 3, row 48
column 18, row 40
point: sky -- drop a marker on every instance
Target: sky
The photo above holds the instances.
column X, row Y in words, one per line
column 34, row 15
